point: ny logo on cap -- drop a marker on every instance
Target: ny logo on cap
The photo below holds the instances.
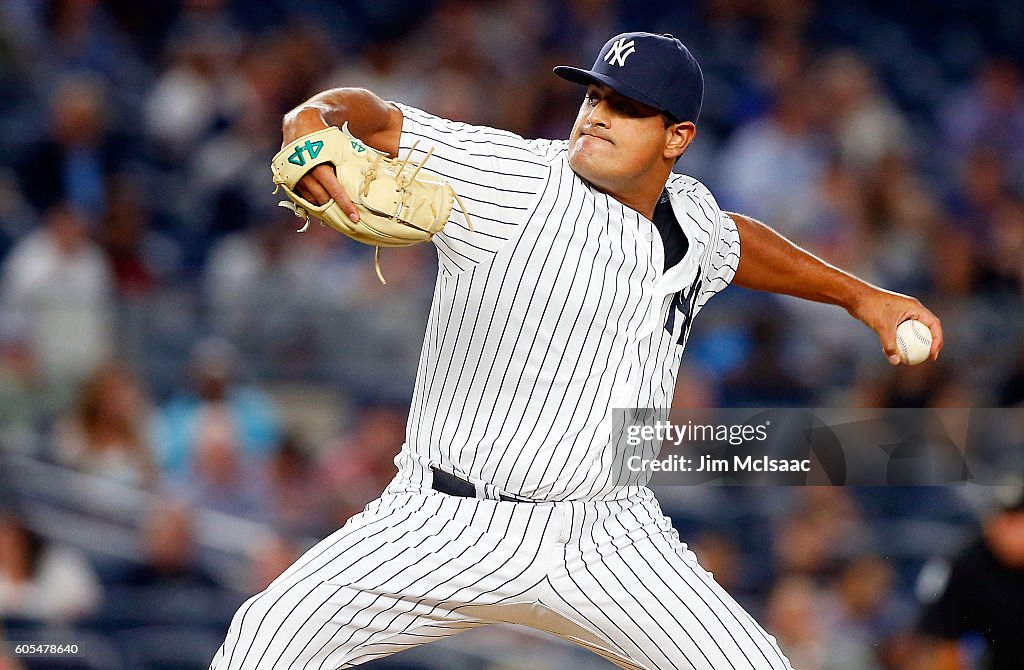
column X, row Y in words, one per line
column 619, row 52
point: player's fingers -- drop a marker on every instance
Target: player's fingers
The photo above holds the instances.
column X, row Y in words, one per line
column 887, row 334
column 328, row 178
column 935, row 326
column 311, row 190
column 938, row 339
column 889, row 347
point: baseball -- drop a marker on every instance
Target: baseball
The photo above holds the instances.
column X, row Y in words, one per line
column 914, row 341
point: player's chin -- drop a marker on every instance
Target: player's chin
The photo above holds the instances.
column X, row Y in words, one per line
column 585, row 158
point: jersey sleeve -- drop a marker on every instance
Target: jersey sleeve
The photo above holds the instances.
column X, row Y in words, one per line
column 721, row 254
column 497, row 174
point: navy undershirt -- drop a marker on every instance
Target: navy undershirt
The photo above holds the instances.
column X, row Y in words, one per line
column 672, row 235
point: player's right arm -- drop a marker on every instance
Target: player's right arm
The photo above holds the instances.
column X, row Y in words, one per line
column 770, row 262
column 374, row 121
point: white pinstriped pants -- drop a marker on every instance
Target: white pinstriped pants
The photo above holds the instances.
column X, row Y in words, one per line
column 419, row 566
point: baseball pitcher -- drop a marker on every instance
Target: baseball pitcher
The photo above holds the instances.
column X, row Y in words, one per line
column 570, row 273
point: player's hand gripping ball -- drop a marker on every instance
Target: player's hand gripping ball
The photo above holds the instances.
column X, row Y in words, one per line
column 399, row 203
column 914, row 341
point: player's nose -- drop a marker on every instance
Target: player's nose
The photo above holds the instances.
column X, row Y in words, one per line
column 598, row 114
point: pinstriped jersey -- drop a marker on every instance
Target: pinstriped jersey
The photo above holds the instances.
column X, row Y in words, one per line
column 555, row 310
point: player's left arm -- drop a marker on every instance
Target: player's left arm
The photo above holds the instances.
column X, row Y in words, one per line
column 770, row 262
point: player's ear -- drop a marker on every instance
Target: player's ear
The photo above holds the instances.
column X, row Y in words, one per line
column 679, row 137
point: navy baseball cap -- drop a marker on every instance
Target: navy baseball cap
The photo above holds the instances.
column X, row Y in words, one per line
column 657, row 70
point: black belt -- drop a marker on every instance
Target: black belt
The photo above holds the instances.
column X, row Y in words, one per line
column 455, row 486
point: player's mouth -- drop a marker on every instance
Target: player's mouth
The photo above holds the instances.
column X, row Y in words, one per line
column 596, row 136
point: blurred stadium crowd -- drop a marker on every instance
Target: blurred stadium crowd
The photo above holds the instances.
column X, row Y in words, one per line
column 169, row 346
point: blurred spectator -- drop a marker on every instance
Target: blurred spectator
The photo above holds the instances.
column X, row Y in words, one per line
column 929, row 385
column 82, row 37
column 213, row 444
column 384, row 70
column 72, row 163
column 904, row 218
column 980, row 592
column 1004, row 257
column 59, row 284
column 799, row 617
column 777, row 68
column 868, row 612
column 824, row 526
column 106, row 434
column 43, row 581
column 22, row 397
column 838, row 233
column 763, row 379
column 271, row 559
column 140, row 257
column 694, row 389
column 269, row 265
column 279, row 70
column 19, row 28
column 197, row 91
column 361, row 463
column 229, row 166
column 771, row 167
column 982, row 189
column 956, row 266
column 223, row 477
column 298, row 490
column 382, row 347
column 169, row 552
column 719, row 555
column 864, row 585
column 866, row 126
column 987, row 113
column 17, row 217
column 836, row 510
column 7, row 659
column 220, row 412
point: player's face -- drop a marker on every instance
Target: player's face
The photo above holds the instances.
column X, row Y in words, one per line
column 617, row 141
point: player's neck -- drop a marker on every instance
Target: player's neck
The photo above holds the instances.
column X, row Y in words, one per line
column 641, row 194
column 641, row 200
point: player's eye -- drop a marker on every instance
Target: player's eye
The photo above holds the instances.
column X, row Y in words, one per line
column 626, row 107
column 591, row 99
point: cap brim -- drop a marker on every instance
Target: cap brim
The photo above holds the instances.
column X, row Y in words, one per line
column 586, row 77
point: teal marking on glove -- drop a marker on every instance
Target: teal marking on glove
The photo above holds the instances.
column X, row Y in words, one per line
column 312, row 148
column 358, row 146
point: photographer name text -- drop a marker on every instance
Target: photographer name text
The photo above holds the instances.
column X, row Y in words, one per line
column 720, row 465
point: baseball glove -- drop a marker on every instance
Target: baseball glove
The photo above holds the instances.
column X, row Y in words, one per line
column 399, row 204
